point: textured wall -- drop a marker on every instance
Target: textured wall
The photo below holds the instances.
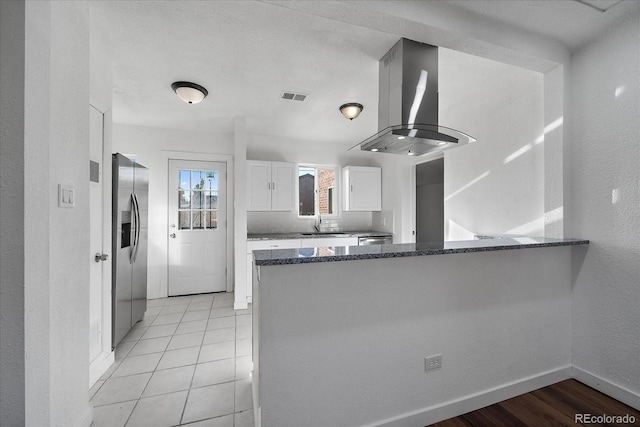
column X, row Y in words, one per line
column 496, row 185
column 604, row 192
column 68, row 228
column 50, row 254
column 356, row 355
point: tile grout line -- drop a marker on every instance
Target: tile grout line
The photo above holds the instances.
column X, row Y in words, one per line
column 151, row 376
column 182, row 321
column 184, row 408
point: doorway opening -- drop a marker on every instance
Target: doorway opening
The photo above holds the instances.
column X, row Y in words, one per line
column 430, row 201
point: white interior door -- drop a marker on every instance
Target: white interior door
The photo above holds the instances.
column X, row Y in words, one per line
column 197, row 227
column 100, row 354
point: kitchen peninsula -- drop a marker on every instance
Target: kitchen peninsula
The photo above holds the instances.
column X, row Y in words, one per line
column 341, row 334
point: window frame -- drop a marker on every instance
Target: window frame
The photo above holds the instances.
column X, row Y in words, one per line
column 316, row 195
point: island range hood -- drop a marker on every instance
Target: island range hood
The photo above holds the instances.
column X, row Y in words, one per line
column 408, row 104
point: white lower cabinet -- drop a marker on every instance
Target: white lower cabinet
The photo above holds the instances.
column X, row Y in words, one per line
column 256, row 245
column 322, row 242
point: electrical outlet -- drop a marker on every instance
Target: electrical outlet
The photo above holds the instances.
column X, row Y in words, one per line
column 433, row 362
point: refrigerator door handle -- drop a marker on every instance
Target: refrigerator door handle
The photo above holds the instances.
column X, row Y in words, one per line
column 136, row 212
column 134, row 228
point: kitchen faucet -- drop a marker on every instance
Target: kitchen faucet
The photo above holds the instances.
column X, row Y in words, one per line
column 316, row 225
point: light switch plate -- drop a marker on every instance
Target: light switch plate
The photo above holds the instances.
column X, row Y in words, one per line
column 66, row 196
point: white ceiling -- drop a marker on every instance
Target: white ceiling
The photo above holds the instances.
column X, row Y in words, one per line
column 247, row 52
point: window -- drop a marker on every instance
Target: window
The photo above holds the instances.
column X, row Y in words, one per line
column 317, row 191
column 197, row 200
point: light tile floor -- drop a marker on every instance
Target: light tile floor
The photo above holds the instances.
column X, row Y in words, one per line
column 188, row 362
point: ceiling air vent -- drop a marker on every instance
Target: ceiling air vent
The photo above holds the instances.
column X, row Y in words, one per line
column 292, row 96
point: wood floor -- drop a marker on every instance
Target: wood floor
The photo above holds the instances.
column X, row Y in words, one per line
column 556, row 405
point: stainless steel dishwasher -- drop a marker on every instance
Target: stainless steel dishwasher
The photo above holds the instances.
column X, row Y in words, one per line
column 375, row 240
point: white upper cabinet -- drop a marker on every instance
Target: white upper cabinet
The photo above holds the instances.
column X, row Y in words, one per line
column 362, row 188
column 270, row 186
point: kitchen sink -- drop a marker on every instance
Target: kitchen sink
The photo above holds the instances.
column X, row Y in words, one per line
column 324, row 233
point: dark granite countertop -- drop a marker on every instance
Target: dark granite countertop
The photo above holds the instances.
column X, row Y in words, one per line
column 314, row 235
column 348, row 253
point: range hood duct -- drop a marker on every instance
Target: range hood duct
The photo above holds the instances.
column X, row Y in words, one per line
column 408, row 104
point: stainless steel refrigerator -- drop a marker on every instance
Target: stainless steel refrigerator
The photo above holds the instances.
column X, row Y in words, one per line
column 130, row 231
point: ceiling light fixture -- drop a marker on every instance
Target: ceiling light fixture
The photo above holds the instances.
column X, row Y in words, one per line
column 351, row 110
column 191, row 93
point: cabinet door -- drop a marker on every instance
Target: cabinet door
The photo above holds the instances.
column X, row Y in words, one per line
column 255, row 245
column 249, row 278
column 364, row 188
column 258, row 185
column 282, row 186
column 319, row 242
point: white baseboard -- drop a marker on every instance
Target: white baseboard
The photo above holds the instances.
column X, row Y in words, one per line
column 616, row 391
column 240, row 305
column 434, row 414
column 100, row 365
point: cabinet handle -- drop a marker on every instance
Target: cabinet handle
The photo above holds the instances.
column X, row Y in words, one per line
column 273, row 185
column 352, row 188
column 268, row 186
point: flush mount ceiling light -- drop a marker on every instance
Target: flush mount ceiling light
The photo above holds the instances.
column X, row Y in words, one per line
column 351, row 110
column 191, row 93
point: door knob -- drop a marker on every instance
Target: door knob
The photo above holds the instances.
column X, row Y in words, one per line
column 172, row 235
column 101, row 257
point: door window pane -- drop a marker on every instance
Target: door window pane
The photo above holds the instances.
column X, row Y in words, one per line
column 184, row 199
column 198, row 220
column 197, row 179
column 184, row 220
column 198, row 200
column 211, row 180
column 212, row 200
column 212, row 219
column 184, row 178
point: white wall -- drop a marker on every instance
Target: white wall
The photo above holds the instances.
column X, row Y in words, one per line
column 48, row 137
column 604, row 196
column 152, row 148
column 272, row 148
column 355, row 356
column 495, row 185
column 240, row 212
column 398, row 210
column 68, row 246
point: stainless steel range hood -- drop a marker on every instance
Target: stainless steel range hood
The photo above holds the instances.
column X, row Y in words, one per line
column 408, row 104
